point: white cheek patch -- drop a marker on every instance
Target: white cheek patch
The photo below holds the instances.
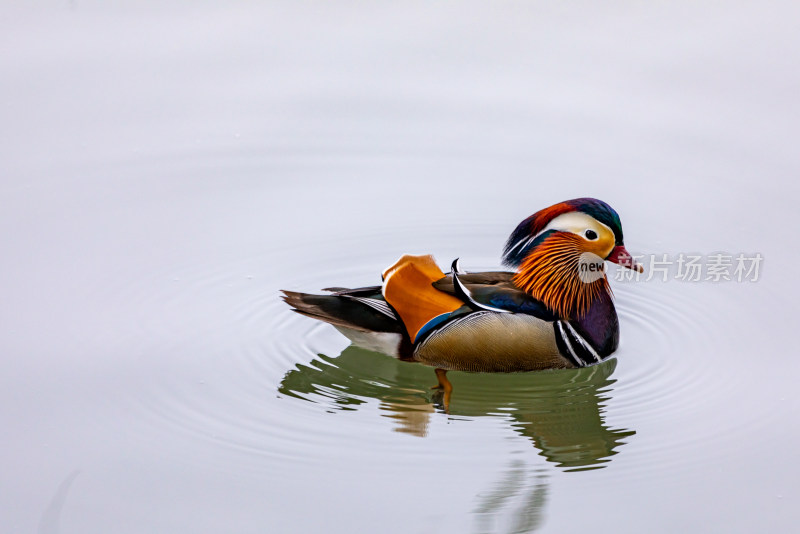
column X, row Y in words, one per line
column 576, row 222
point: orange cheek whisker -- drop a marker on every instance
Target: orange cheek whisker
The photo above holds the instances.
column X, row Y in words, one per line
column 550, row 274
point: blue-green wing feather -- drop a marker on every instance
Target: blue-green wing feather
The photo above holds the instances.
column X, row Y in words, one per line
column 496, row 290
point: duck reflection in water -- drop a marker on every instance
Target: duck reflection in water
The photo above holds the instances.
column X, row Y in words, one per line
column 516, row 502
column 559, row 411
column 553, row 314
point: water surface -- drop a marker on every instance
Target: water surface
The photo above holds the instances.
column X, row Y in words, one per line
column 167, row 168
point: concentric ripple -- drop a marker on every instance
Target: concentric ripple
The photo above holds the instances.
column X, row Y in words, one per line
column 269, row 377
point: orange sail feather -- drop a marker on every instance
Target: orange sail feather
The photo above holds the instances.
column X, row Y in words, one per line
column 407, row 287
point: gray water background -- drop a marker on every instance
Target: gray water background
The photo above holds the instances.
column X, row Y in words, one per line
column 167, row 167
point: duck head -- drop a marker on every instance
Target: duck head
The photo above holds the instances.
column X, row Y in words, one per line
column 559, row 253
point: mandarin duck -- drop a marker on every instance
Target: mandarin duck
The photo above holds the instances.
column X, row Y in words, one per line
column 554, row 311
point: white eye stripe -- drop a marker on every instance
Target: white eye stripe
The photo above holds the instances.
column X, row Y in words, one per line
column 576, row 222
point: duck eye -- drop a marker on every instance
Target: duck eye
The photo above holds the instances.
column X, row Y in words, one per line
column 591, row 235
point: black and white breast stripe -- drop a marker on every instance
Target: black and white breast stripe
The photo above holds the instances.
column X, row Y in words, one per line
column 375, row 304
column 573, row 346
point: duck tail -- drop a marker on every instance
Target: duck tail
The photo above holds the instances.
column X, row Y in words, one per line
column 345, row 309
